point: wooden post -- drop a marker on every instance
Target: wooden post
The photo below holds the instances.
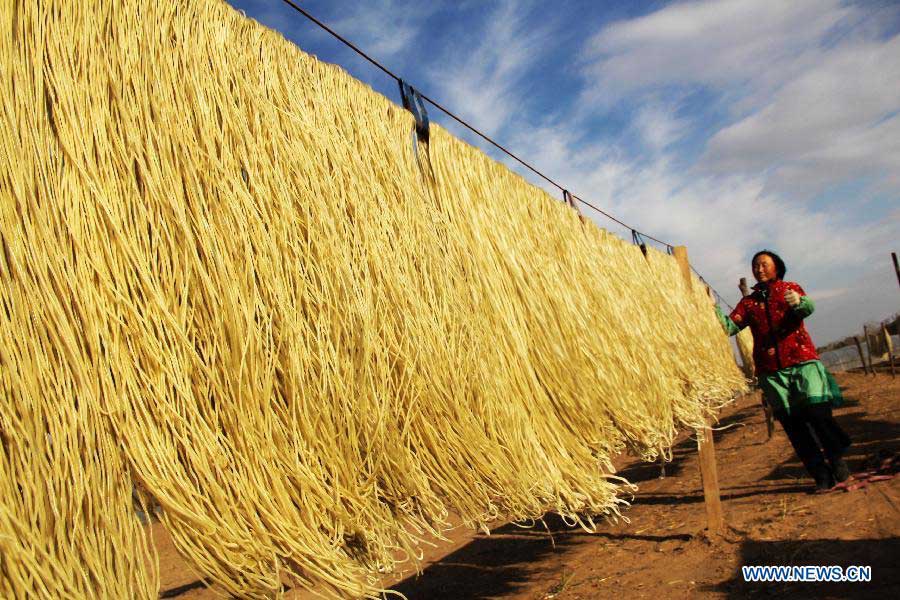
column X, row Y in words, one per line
column 896, row 266
column 889, row 345
column 745, row 291
column 862, row 358
column 715, row 518
column 681, row 257
column 869, row 348
column 770, row 421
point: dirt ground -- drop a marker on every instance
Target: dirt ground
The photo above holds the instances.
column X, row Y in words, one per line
column 664, row 552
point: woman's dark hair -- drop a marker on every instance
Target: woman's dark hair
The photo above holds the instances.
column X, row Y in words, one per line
column 780, row 269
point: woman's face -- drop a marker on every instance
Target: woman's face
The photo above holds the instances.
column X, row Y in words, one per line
column 764, row 268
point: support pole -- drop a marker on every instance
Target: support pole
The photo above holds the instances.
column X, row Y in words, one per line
column 869, row 345
column 770, row 421
column 889, row 345
column 896, row 266
column 862, row 359
column 705, row 445
column 681, row 257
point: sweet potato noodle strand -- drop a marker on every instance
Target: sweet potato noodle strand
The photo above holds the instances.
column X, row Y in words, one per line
column 229, row 282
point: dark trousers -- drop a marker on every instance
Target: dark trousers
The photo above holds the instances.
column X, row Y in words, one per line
column 802, row 423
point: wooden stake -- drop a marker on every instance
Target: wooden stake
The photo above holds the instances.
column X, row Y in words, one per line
column 869, row 348
column 889, row 344
column 770, row 421
column 681, row 257
column 862, row 358
column 896, row 266
column 715, row 518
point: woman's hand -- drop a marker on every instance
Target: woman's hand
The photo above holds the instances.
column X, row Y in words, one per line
column 792, row 298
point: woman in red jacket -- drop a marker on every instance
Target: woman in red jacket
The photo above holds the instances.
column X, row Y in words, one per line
column 794, row 381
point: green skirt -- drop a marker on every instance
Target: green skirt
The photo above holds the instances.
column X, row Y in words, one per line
column 800, row 385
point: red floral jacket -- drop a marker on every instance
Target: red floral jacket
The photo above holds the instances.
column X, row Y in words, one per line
column 779, row 338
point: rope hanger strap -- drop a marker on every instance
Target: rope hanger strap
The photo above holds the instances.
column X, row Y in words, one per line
column 412, row 101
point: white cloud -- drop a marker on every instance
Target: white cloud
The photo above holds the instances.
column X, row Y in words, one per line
column 658, row 126
column 384, row 28
column 805, row 84
column 726, row 43
column 831, row 123
column 480, row 76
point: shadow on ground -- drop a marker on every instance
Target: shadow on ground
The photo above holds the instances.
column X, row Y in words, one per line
column 490, row 566
column 183, row 589
column 501, row 563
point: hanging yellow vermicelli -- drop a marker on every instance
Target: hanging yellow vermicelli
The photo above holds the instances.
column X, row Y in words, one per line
column 228, row 279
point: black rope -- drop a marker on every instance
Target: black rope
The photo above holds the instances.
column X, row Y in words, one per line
column 717, row 294
column 341, row 38
column 484, row 136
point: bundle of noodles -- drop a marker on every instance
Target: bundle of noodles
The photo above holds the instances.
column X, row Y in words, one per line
column 66, row 529
column 65, row 495
column 231, row 281
column 66, row 524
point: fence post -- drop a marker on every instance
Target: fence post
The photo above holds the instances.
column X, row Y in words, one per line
column 862, row 359
column 896, row 266
column 705, row 445
column 869, row 344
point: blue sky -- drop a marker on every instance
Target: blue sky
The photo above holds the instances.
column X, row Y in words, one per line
column 723, row 125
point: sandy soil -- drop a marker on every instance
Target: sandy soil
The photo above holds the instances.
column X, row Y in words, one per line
column 664, row 550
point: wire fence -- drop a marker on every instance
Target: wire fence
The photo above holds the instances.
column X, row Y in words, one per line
column 847, row 358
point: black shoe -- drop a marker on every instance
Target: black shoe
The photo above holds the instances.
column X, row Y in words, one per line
column 823, row 485
column 840, row 470
column 824, row 478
